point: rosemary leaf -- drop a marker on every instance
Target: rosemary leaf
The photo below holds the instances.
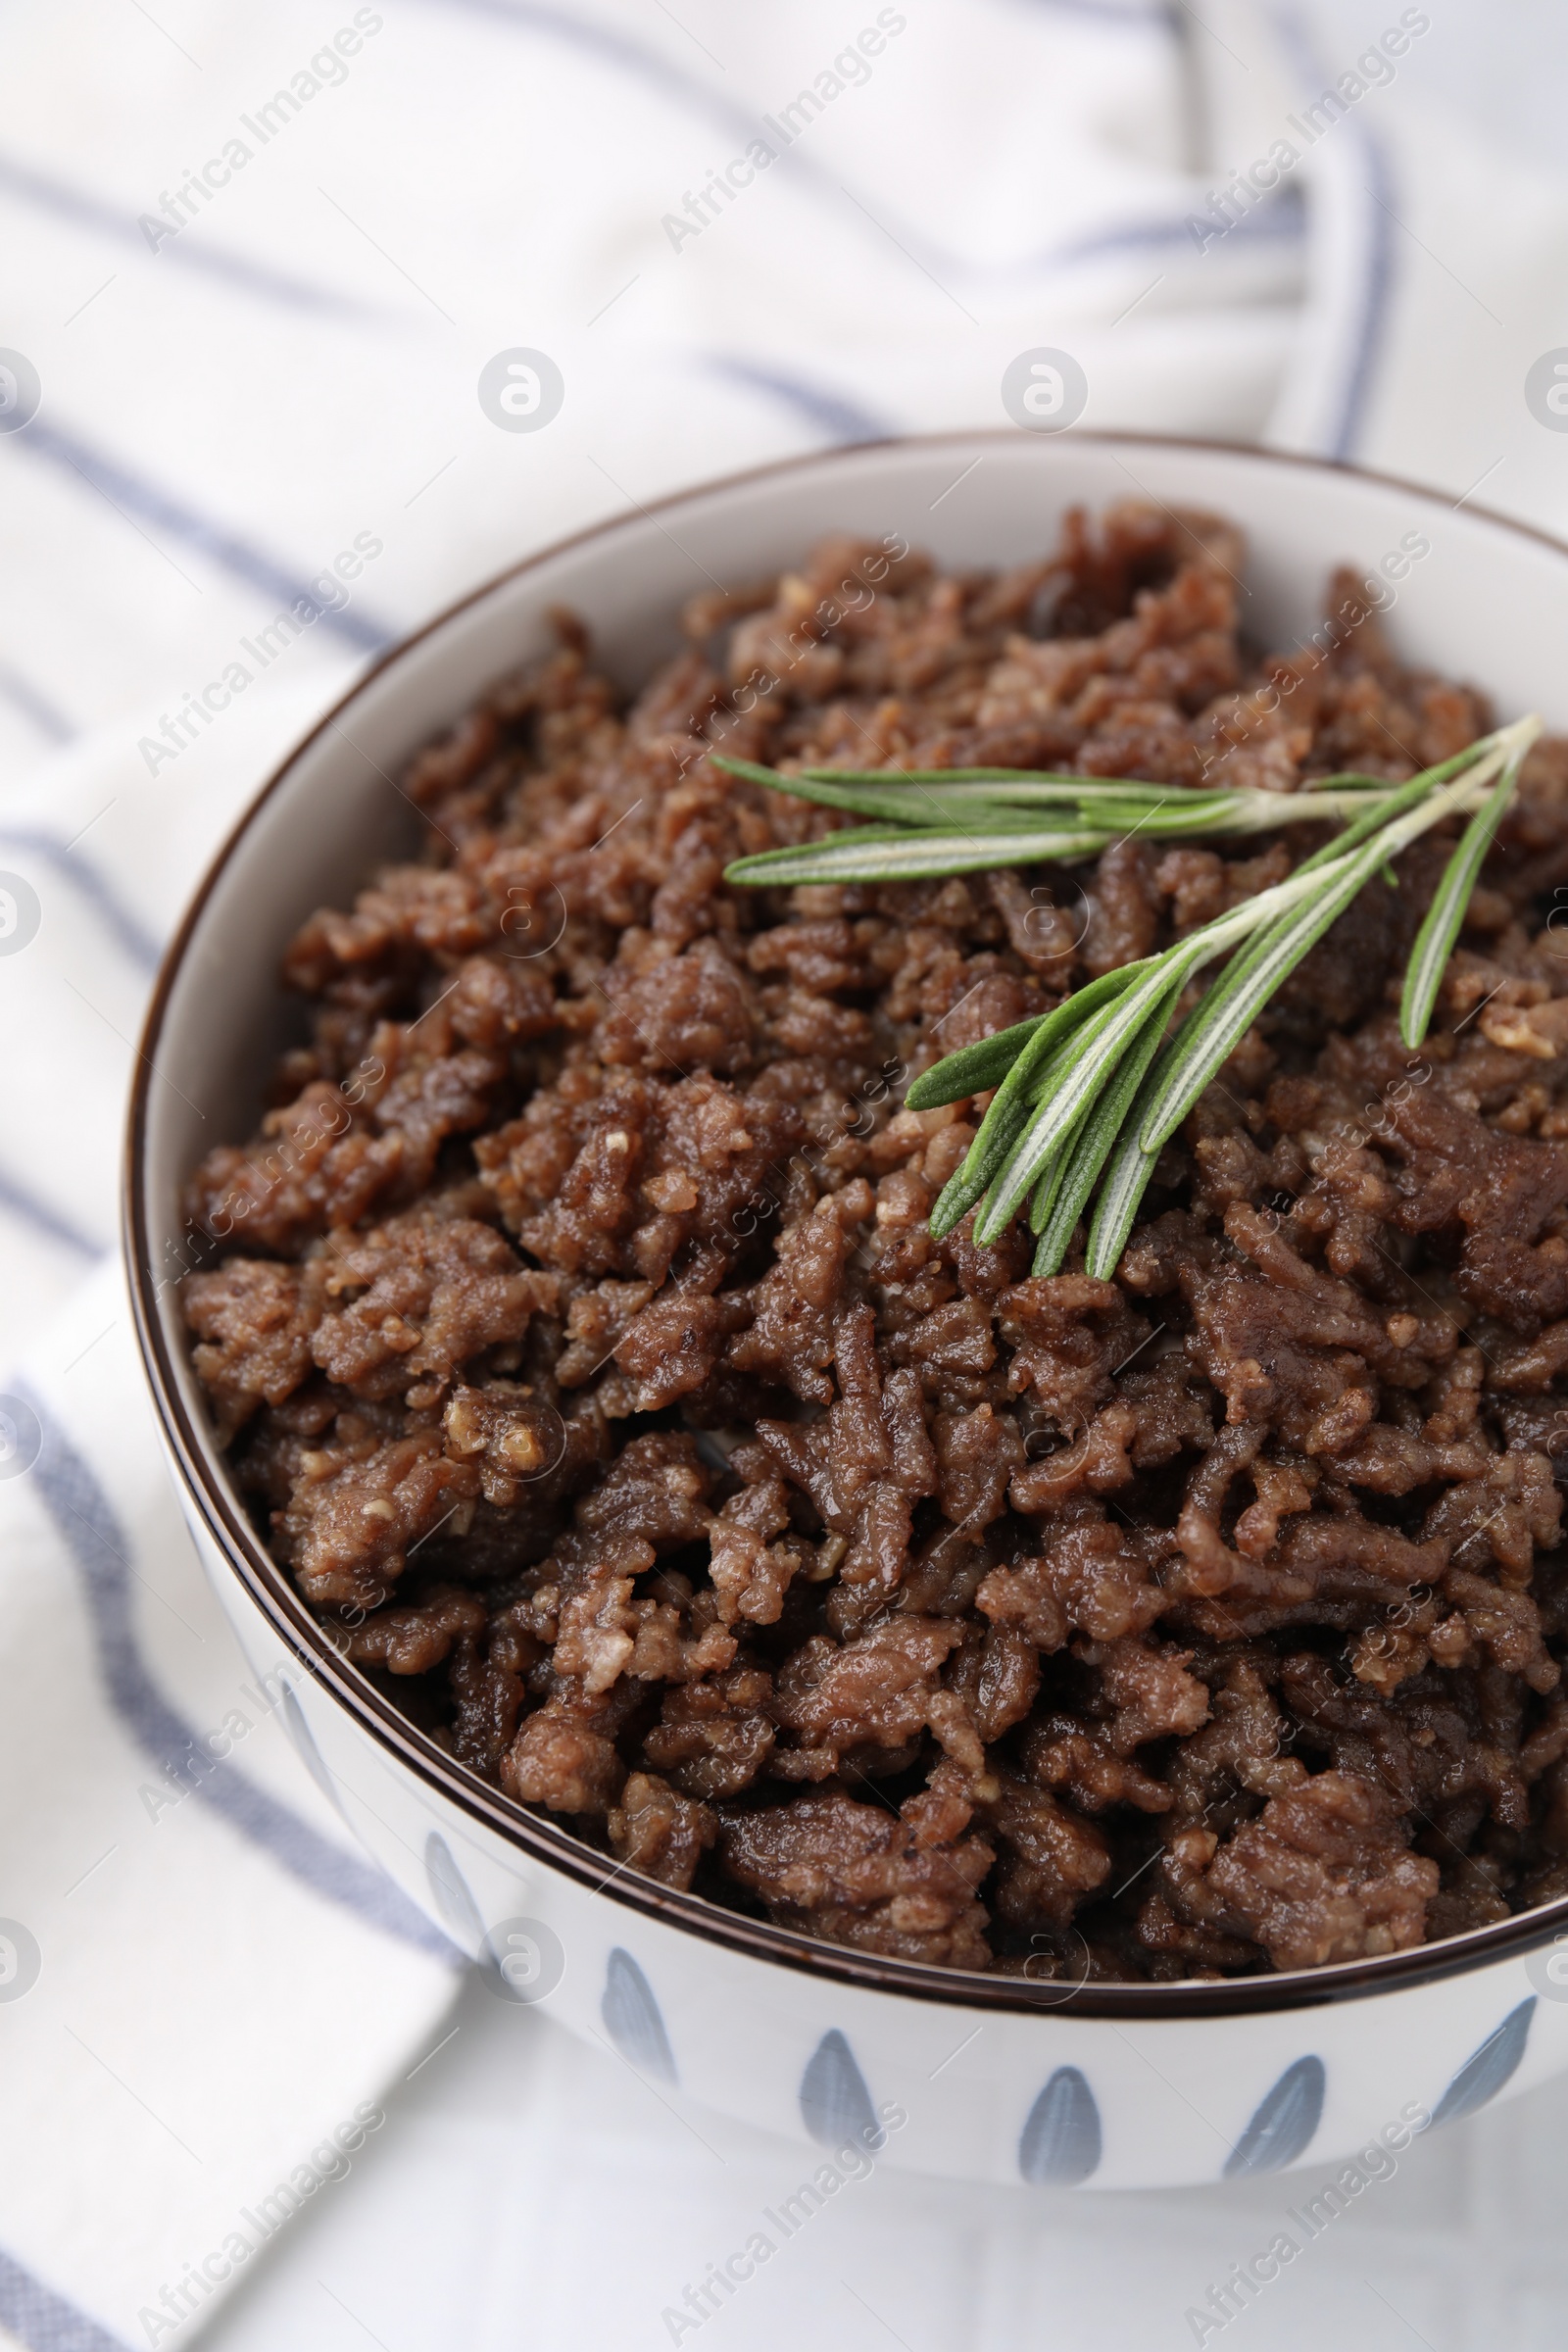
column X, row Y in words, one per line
column 1015, row 787
column 1010, row 1105
column 1053, row 778
column 1395, row 801
column 900, row 801
column 971, row 1181
column 973, row 1070
column 967, row 775
column 970, row 1070
column 1054, row 1030
column 1126, row 1180
column 1211, row 1035
column 1021, row 1109
column 1087, row 1062
column 1095, row 1139
column 1045, row 1191
column 1433, row 941
column 877, row 853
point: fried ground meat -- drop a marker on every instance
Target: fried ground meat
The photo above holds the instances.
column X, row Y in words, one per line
column 581, row 1345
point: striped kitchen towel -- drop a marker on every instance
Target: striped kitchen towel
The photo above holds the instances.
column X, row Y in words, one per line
column 290, row 294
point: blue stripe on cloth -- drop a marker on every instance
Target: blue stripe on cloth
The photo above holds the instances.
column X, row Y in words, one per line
column 646, row 66
column 18, row 1201
column 837, row 417
column 138, row 497
column 42, row 2320
column 1346, row 433
column 134, row 937
column 1358, row 359
column 87, row 212
column 100, row 1549
column 30, row 700
column 1281, row 219
column 614, row 48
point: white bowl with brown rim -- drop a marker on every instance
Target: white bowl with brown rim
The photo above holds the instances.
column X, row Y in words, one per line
column 986, row 2078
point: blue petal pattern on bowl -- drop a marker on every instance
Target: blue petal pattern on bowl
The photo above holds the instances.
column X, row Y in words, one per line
column 1486, row 2071
column 299, row 1730
column 1060, row 2143
column 633, row 2018
column 1282, row 2122
column 835, row 2105
column 450, row 1894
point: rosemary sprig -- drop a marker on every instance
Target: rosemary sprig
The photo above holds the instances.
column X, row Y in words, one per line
column 966, row 820
column 1193, row 1057
column 1228, row 1011
column 1088, row 1094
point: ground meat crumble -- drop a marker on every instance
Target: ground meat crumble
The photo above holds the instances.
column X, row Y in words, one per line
column 581, row 1347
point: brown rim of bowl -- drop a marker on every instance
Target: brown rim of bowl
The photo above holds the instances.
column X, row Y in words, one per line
column 269, row 1587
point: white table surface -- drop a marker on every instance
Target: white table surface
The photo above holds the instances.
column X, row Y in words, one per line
column 472, row 2224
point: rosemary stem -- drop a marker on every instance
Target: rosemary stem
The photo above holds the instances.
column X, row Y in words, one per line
column 1089, row 1093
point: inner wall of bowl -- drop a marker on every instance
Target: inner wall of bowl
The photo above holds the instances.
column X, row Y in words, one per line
column 1474, row 599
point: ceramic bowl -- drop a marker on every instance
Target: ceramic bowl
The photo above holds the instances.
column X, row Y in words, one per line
column 964, row 2076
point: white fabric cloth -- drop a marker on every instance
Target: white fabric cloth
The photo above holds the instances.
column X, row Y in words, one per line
column 232, row 400
column 222, row 1978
